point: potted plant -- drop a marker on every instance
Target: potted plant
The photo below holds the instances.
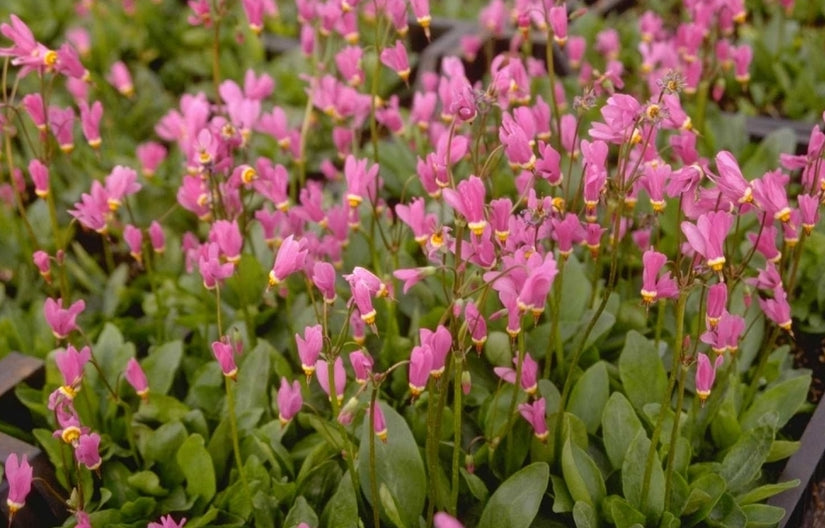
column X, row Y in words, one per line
column 516, row 301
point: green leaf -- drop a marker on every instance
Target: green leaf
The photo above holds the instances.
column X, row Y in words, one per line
column 112, row 354
column 620, row 425
column 767, row 153
column 300, row 512
column 582, row 475
column 584, row 515
column 743, row 463
column 589, row 396
column 196, row 464
column 575, row 291
column 725, row 427
column 147, row 482
column 641, row 371
column 253, row 379
column 621, row 513
column 342, row 509
column 727, row 514
column 398, row 466
column 562, row 501
column 763, row 515
column 765, row 491
column 516, row 502
column 705, row 492
column 633, row 472
column 784, row 398
column 477, row 487
column 161, row 365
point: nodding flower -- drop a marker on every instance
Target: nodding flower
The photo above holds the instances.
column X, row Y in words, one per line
column 529, row 374
column 309, row 347
column 439, row 343
column 339, row 376
column 535, row 414
column 19, row 476
column 289, row 259
column 653, row 286
column 224, row 352
column 395, row 58
column 707, row 237
column 362, row 363
column 705, row 375
column 62, row 320
column 40, row 176
column 121, row 79
column 137, row 378
column 769, row 193
column 348, row 61
column 290, row 400
column 90, row 117
column 378, row 421
column 468, row 200
column 70, row 362
column 361, row 183
column 777, row 309
column 421, row 360
column 476, row 325
column 716, row 304
column 730, row 181
column 557, row 17
column 255, row 11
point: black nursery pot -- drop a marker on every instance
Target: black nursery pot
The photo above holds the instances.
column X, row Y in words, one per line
column 802, row 503
column 42, row 508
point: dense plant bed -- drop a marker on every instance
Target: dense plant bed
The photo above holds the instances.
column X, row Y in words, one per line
column 282, row 296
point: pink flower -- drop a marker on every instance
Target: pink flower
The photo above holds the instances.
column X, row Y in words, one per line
column 255, row 10
column 770, row 195
column 323, row 276
column 777, row 309
column 362, row 363
column 90, row 122
column 707, row 237
column 653, row 286
column 535, row 414
column 212, row 269
column 557, row 16
column 808, row 211
column 290, row 258
column 529, row 374
column 120, row 183
column 70, row 362
column 361, row 183
column 725, row 334
column 421, row 10
column 439, row 343
column 121, row 79
column 533, row 292
column 339, row 377
column 44, row 264
column 567, row 232
column 548, row 165
column 730, row 181
column 40, row 176
column 227, row 235
column 742, row 56
column 717, row 303
column 416, row 217
column 137, row 378
column 87, row 450
column 348, row 61
column 290, row 400
column 379, row 424
column 26, row 51
column 468, row 200
column 362, row 298
column 309, row 347
column 167, row 522
column 61, row 123
column 19, row 476
column 421, row 360
column 476, row 324
column 82, row 519
column 156, row 237
column 705, row 375
column 412, row 276
column 33, row 104
column 225, row 354
column 395, row 58
column 62, row 321
column 150, row 154
column 134, row 239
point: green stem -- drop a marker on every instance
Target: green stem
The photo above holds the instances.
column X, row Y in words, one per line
column 555, row 342
column 674, row 433
column 457, row 414
column 376, row 518
column 678, row 338
column 233, row 425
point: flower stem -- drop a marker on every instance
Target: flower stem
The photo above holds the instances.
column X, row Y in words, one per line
column 376, row 517
column 678, row 339
column 233, row 426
